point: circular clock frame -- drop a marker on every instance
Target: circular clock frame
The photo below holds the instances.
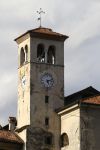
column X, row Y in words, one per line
column 47, row 80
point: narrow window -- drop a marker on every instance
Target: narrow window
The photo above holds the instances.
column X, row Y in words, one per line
column 46, row 99
column 51, row 55
column 46, row 121
column 48, row 140
column 22, row 56
column 64, row 140
column 26, row 53
column 40, row 53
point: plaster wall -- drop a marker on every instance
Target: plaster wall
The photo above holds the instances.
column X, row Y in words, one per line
column 70, row 124
column 23, row 113
column 23, row 135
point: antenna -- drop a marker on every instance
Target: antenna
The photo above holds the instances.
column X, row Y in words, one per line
column 40, row 12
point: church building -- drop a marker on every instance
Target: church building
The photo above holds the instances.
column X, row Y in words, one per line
column 46, row 119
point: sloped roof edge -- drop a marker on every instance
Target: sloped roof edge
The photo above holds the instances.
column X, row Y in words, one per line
column 44, row 32
column 9, row 136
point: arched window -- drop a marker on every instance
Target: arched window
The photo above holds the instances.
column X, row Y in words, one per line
column 26, row 53
column 40, row 53
column 22, row 56
column 51, row 55
column 64, row 140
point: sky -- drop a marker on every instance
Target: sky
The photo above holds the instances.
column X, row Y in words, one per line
column 79, row 19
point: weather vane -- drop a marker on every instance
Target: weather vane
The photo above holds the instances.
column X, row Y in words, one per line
column 40, row 12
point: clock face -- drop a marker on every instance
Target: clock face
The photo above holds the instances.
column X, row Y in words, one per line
column 47, row 80
column 23, row 81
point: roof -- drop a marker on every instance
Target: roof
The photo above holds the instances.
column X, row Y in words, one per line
column 8, row 136
column 92, row 100
column 86, row 96
column 44, row 33
column 83, row 94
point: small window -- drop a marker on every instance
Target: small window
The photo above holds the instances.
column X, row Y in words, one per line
column 46, row 121
column 64, row 140
column 48, row 140
column 46, row 99
column 40, row 53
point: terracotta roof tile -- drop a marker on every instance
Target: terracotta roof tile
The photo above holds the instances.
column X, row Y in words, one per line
column 8, row 136
column 92, row 100
column 46, row 31
column 80, row 95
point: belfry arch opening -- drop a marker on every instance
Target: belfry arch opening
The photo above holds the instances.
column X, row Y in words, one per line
column 40, row 53
column 51, row 55
column 26, row 53
column 22, row 56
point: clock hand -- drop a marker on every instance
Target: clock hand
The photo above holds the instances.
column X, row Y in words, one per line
column 48, row 81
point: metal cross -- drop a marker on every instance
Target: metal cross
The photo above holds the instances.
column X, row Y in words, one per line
column 40, row 12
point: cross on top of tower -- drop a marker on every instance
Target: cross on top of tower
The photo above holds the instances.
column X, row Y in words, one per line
column 40, row 12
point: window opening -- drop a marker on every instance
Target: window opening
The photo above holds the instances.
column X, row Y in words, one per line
column 64, row 140
column 46, row 121
column 46, row 99
column 22, row 56
column 51, row 55
column 48, row 140
column 40, row 53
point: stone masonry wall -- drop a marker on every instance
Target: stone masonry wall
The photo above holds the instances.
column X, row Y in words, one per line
column 90, row 127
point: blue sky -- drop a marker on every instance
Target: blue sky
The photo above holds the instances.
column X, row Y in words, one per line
column 78, row 19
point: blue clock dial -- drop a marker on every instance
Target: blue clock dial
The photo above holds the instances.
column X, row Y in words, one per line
column 47, row 80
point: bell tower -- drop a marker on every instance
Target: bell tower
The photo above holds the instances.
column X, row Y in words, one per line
column 40, row 87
